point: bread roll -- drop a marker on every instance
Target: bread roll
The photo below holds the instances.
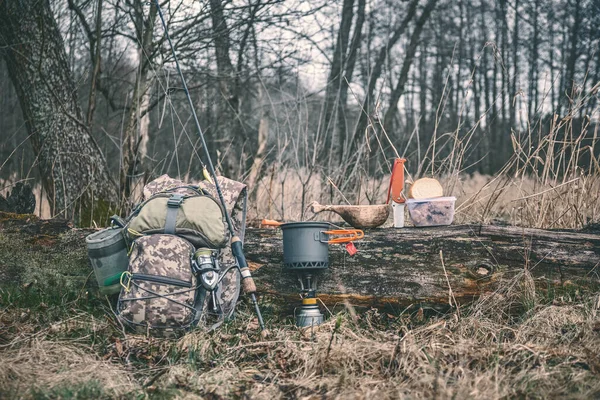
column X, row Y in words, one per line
column 425, row 188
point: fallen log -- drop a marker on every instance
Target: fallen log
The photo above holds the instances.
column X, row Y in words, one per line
column 420, row 265
column 393, row 266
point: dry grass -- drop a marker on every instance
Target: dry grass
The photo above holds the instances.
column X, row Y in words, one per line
column 514, row 343
column 42, row 364
column 50, row 350
column 552, row 180
column 522, row 201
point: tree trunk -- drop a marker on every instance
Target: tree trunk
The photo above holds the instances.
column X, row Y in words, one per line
column 73, row 170
column 504, row 73
column 136, row 132
column 533, row 64
column 334, row 81
column 573, row 50
column 96, row 65
column 404, row 266
column 392, row 266
column 486, row 80
column 551, row 39
column 424, row 85
column 408, row 59
column 368, row 106
column 474, row 73
column 494, row 109
column 228, row 102
column 342, row 130
column 455, row 113
column 515, row 78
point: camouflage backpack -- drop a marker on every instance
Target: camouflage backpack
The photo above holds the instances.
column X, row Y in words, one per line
column 161, row 295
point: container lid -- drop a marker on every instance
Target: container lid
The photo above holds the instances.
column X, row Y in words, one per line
column 430, row 200
column 309, row 224
column 105, row 236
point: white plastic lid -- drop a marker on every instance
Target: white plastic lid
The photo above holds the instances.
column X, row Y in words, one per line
column 430, row 200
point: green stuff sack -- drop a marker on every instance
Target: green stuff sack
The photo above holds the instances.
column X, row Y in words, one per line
column 191, row 214
column 159, row 294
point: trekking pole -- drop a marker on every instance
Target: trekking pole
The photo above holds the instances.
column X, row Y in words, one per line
column 236, row 243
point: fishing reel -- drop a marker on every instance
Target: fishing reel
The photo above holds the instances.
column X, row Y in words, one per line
column 205, row 265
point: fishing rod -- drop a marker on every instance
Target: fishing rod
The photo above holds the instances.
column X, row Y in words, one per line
column 236, row 243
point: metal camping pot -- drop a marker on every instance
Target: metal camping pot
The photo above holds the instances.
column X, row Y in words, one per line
column 305, row 244
column 306, row 253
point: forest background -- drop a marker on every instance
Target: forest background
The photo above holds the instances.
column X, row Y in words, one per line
column 303, row 101
column 306, row 100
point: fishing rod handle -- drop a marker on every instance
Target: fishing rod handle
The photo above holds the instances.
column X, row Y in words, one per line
column 238, row 252
column 247, row 281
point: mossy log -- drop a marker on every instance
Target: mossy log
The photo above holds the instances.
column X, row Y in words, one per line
column 393, row 266
column 419, row 265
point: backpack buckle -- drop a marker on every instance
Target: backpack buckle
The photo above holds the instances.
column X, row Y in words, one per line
column 172, row 209
column 175, row 200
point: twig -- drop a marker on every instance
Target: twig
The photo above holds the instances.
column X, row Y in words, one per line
column 261, row 344
column 153, row 379
column 451, row 298
column 338, row 324
column 547, row 190
column 340, row 192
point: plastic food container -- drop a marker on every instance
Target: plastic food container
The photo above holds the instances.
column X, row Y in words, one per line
column 108, row 254
column 431, row 212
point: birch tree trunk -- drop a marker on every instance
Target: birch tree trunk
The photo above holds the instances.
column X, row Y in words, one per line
column 135, row 137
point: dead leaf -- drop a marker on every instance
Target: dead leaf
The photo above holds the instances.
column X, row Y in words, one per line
column 119, row 347
column 252, row 325
column 419, row 315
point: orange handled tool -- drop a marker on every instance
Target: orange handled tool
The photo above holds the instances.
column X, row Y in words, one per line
column 270, row 222
column 350, row 235
column 397, row 182
column 355, row 234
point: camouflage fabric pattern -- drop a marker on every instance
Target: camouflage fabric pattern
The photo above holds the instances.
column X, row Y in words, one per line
column 234, row 194
column 169, row 309
column 164, row 183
